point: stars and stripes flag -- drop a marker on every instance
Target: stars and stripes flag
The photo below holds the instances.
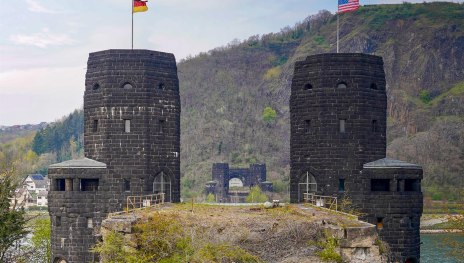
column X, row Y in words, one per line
column 347, row 5
column 139, row 6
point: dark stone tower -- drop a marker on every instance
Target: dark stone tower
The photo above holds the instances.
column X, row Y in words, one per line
column 338, row 108
column 132, row 147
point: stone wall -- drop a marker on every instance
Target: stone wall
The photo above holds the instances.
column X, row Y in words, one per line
column 132, row 128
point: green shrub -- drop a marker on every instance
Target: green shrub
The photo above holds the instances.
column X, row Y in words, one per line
column 329, row 246
column 256, row 196
column 210, row 198
column 425, row 97
column 269, row 115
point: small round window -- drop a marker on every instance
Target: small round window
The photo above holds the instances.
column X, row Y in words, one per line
column 374, row 86
column 308, row 86
column 127, row 85
column 96, row 86
column 161, row 86
column 342, row 85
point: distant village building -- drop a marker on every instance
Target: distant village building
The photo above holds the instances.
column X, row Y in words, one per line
column 233, row 184
column 33, row 192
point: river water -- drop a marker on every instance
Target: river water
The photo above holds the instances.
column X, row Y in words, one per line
column 434, row 248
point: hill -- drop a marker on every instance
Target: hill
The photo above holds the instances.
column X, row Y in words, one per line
column 235, row 98
column 225, row 91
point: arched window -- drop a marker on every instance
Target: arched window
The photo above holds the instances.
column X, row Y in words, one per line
column 59, row 260
column 306, row 185
column 342, row 85
column 308, row 86
column 127, row 85
column 162, row 184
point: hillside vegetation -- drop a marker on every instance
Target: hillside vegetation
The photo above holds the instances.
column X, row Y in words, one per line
column 235, row 98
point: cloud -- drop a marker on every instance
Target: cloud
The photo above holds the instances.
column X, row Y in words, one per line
column 42, row 39
column 36, row 7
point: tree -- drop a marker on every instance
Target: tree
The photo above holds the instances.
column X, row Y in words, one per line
column 41, row 241
column 256, row 196
column 12, row 218
column 269, row 115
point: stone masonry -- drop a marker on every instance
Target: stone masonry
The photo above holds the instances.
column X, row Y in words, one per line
column 338, row 112
column 222, row 174
column 132, row 147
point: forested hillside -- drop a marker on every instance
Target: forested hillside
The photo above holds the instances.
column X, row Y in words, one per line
column 235, row 98
column 225, row 91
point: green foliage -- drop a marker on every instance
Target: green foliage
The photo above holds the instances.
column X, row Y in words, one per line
column 272, row 73
column 12, row 218
column 269, row 115
column 211, row 198
column 63, row 137
column 256, row 195
column 112, row 248
column 41, row 241
column 319, row 40
column 329, row 246
column 162, row 239
column 424, row 96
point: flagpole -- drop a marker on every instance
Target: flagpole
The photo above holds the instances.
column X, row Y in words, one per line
column 338, row 31
column 132, row 27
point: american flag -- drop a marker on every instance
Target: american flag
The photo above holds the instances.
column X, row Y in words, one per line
column 347, row 5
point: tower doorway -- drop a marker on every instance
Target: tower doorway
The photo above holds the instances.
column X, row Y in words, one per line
column 306, row 185
column 162, row 184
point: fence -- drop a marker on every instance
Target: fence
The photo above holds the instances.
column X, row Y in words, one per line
column 329, row 202
column 137, row 202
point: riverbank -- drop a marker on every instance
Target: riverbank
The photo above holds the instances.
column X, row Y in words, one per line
column 441, row 223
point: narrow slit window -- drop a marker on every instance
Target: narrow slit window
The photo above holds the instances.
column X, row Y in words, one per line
column 307, row 126
column 126, row 185
column 342, row 126
column 95, row 126
column 161, row 86
column 89, row 185
column 374, row 86
column 375, row 127
column 89, row 222
column 341, row 185
column 60, row 185
column 127, row 126
column 379, row 223
column 162, row 124
column 58, row 221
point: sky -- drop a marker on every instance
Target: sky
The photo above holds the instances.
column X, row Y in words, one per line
column 44, row 44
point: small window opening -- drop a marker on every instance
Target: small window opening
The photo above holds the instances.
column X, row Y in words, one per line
column 161, row 86
column 342, row 126
column 342, row 85
column 127, row 126
column 162, row 123
column 58, row 221
column 410, row 221
column 96, row 86
column 373, row 86
column 380, row 185
column 307, row 126
column 126, row 185
column 411, row 260
column 89, row 185
column 398, row 185
column 341, row 185
column 89, row 222
column 308, row 86
column 95, row 126
column 60, row 185
column 127, row 85
column 375, row 127
column 379, row 223
column 411, row 185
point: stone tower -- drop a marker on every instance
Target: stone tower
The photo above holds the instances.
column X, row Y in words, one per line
column 338, row 108
column 132, row 147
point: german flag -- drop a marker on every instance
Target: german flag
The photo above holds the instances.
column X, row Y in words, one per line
column 139, row 6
